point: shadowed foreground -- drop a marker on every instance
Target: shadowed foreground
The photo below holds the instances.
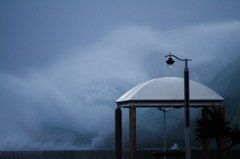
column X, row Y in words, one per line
column 100, row 154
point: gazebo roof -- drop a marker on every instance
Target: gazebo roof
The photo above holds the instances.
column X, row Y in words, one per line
column 169, row 92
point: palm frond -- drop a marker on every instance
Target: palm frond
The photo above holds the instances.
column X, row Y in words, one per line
column 215, row 126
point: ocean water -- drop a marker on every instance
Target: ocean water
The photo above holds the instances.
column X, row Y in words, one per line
column 101, row 154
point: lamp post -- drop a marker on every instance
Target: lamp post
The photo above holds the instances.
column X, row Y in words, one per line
column 170, row 63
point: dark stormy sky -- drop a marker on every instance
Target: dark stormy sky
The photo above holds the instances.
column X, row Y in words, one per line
column 64, row 63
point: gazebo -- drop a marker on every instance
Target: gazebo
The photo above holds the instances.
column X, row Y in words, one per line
column 160, row 92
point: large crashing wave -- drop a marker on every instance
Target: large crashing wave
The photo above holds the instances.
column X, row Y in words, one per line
column 70, row 104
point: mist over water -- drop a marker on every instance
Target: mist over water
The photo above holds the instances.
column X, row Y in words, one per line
column 70, row 104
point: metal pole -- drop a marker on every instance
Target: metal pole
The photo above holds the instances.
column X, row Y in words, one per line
column 165, row 140
column 165, row 109
column 187, row 111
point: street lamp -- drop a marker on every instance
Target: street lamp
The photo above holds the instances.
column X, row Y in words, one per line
column 170, row 63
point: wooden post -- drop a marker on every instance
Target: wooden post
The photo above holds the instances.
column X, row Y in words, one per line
column 222, row 140
column 205, row 144
column 132, row 133
column 118, row 133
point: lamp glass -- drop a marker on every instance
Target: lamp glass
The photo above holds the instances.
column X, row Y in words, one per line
column 170, row 66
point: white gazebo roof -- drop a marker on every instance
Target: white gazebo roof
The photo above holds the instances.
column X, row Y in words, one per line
column 169, row 92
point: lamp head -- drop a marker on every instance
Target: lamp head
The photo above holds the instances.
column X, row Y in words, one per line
column 170, row 62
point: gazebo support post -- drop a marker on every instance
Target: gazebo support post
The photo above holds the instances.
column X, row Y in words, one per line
column 132, row 133
column 222, row 140
column 205, row 144
column 118, row 133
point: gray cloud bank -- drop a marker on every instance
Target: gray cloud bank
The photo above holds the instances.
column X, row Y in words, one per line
column 70, row 103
